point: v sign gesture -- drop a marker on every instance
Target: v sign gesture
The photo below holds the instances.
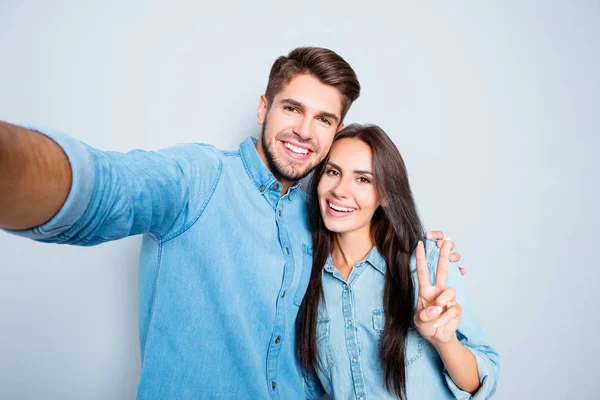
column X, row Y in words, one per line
column 438, row 315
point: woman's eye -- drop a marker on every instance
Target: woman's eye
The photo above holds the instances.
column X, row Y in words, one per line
column 362, row 179
column 331, row 172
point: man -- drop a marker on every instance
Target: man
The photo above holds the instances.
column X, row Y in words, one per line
column 225, row 257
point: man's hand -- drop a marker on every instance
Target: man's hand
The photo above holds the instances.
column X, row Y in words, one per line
column 439, row 237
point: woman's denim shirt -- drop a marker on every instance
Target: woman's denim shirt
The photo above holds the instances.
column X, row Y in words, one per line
column 350, row 324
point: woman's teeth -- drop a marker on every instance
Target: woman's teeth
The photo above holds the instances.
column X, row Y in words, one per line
column 342, row 209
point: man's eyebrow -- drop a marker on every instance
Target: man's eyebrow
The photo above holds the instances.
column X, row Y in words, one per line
column 300, row 105
column 357, row 171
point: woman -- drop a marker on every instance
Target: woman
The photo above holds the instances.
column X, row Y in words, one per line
column 377, row 322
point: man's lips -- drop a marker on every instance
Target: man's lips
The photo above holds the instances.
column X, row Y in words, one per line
column 295, row 151
column 301, row 146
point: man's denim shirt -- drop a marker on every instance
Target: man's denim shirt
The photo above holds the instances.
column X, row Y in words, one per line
column 350, row 325
column 221, row 273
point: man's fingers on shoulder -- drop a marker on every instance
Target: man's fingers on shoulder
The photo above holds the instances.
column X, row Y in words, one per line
column 437, row 235
column 455, row 257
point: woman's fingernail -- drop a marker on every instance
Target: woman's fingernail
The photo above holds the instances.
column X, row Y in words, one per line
column 438, row 324
column 434, row 311
column 449, row 238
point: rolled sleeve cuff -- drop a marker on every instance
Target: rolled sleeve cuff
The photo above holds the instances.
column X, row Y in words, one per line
column 485, row 369
column 82, row 185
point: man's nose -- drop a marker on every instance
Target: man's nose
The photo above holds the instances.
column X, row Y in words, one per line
column 304, row 128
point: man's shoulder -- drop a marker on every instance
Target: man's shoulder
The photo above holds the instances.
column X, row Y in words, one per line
column 195, row 149
column 197, row 153
column 195, row 160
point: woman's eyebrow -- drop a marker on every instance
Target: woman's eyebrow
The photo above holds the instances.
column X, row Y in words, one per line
column 356, row 171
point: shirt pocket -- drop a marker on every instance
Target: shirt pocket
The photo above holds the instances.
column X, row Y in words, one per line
column 324, row 355
column 414, row 346
column 304, row 274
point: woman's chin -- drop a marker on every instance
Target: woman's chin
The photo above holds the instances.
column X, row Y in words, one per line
column 336, row 227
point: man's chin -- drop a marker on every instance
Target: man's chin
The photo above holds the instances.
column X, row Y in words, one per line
column 292, row 174
column 287, row 168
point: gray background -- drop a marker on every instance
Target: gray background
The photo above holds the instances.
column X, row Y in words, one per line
column 494, row 107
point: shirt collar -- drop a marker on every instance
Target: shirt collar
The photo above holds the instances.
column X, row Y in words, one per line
column 255, row 167
column 374, row 258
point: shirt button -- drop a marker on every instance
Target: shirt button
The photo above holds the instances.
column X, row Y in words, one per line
column 361, row 398
column 273, row 385
column 354, row 359
column 287, row 250
column 261, row 188
column 278, row 340
column 276, row 186
column 280, row 213
column 349, row 322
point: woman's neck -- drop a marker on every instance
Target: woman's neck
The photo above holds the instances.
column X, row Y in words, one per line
column 348, row 249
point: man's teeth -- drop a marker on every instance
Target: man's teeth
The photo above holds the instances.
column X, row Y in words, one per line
column 338, row 208
column 296, row 149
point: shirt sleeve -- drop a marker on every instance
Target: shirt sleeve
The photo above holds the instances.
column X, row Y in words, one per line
column 469, row 333
column 114, row 195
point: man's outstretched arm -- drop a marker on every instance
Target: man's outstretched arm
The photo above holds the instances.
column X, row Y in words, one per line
column 35, row 177
column 56, row 189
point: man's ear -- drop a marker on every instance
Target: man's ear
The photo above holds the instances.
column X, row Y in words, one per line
column 261, row 112
column 340, row 127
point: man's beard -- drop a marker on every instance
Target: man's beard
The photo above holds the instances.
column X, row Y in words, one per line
column 280, row 171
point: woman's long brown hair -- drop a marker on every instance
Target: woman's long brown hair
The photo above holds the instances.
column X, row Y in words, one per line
column 396, row 230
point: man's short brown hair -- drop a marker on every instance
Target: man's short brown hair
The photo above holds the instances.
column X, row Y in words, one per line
column 324, row 64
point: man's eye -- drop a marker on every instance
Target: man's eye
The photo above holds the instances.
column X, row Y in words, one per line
column 290, row 109
column 325, row 121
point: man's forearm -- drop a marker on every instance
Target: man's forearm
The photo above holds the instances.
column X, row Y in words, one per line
column 35, row 177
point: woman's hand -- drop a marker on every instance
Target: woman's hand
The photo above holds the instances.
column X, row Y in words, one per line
column 438, row 314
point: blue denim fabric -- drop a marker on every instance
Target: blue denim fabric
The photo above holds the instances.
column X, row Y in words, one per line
column 221, row 273
column 350, row 324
